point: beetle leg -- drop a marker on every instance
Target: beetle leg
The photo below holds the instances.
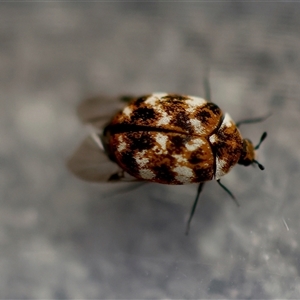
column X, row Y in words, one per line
column 194, row 207
column 227, row 190
column 127, row 98
column 207, row 92
column 117, row 176
column 254, row 120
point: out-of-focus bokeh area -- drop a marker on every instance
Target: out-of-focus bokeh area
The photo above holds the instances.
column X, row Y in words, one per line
column 64, row 238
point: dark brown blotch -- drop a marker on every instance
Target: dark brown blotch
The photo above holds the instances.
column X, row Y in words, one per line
column 178, row 142
column 203, row 174
column 214, row 108
column 182, row 120
column 204, row 116
column 196, row 157
column 141, row 140
column 207, row 112
column 144, row 114
column 163, row 173
column 220, row 148
column 129, row 162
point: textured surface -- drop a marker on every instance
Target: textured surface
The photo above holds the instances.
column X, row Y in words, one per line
column 63, row 238
column 171, row 144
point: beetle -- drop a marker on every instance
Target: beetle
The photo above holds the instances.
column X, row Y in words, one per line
column 164, row 138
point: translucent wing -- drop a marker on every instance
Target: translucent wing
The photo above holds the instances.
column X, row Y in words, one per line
column 90, row 163
column 98, row 110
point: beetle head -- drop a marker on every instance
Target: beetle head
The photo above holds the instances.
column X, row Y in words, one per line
column 248, row 153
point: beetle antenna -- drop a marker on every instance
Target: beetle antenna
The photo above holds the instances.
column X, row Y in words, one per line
column 259, row 165
column 254, row 120
column 194, row 207
column 263, row 136
column 228, row 192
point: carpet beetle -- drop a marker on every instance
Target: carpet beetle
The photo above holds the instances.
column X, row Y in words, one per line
column 164, row 138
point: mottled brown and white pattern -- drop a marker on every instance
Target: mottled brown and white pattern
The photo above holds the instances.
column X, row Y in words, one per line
column 173, row 139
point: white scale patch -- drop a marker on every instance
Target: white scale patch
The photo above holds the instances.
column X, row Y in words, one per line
column 219, row 168
column 140, row 159
column 194, row 144
column 197, row 126
column 184, row 174
column 122, row 145
column 153, row 99
column 127, row 111
column 195, row 102
column 180, row 158
column 147, row 174
column 227, row 122
column 161, row 139
column 213, row 138
column 165, row 119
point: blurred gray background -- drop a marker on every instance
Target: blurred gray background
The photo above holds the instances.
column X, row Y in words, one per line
column 63, row 238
